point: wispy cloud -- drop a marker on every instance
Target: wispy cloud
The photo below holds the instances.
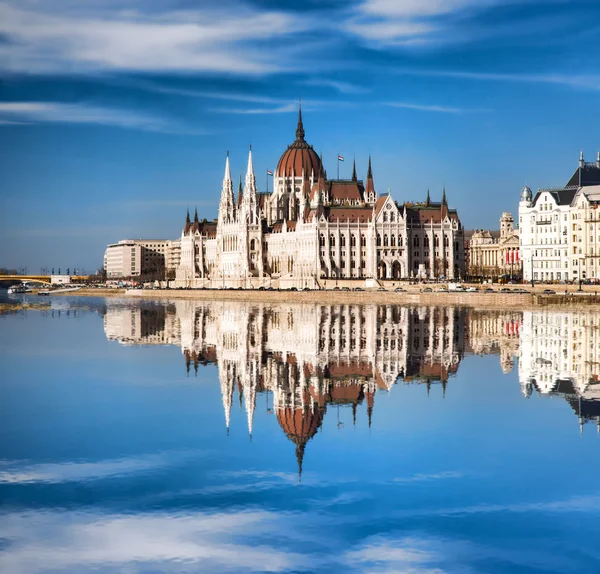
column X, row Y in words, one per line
column 342, row 87
column 53, row 473
column 587, row 81
column 67, row 113
column 209, row 39
column 428, row 108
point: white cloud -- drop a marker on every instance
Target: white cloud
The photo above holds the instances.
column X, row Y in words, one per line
column 48, row 541
column 342, row 87
column 53, row 473
column 426, row 108
column 220, row 40
column 587, row 81
column 60, row 112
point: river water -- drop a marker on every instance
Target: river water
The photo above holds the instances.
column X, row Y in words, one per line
column 183, row 436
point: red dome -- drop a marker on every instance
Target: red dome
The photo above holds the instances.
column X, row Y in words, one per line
column 298, row 156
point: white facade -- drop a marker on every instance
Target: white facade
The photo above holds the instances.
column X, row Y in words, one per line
column 310, row 228
column 560, row 228
column 132, row 258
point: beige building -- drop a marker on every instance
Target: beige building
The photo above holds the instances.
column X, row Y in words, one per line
column 141, row 258
column 493, row 253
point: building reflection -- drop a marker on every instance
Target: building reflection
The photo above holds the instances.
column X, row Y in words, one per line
column 310, row 358
column 559, row 355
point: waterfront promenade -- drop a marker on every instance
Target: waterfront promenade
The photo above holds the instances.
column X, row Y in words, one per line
column 413, row 295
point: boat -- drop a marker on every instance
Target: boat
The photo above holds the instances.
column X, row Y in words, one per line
column 13, row 289
column 43, row 293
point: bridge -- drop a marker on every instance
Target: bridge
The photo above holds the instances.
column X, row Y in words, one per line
column 44, row 279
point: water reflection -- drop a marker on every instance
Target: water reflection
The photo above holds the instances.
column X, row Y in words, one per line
column 310, row 358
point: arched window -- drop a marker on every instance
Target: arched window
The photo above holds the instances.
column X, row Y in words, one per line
column 322, row 240
column 392, row 217
column 385, row 240
column 436, row 241
column 343, row 241
column 363, row 240
column 332, row 240
column 378, row 240
column 384, row 217
column 353, row 240
column 446, row 243
column 426, row 241
column 416, row 242
column 400, row 241
column 393, row 240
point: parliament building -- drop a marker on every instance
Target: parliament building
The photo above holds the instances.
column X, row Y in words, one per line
column 311, row 229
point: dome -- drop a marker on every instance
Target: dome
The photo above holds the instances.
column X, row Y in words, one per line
column 298, row 156
column 526, row 194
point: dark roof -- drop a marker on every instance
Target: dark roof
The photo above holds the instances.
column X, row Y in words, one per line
column 588, row 174
column 562, row 196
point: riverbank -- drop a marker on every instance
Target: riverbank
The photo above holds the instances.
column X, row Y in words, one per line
column 495, row 300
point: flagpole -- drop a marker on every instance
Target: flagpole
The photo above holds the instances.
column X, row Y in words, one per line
column 267, row 181
column 338, row 163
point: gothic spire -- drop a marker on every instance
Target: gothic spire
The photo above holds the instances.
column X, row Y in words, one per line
column 196, row 215
column 300, row 457
column 187, row 217
column 227, row 201
column 354, row 178
column 300, row 127
column 428, row 200
column 240, row 192
column 370, row 187
column 444, row 201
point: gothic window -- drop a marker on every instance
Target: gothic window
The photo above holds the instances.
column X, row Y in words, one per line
column 385, row 240
column 416, row 242
column 426, row 241
column 378, row 240
column 446, row 242
column 332, row 241
column 322, row 240
column 363, row 240
column 393, row 240
column 400, row 241
column 353, row 240
column 392, row 217
column 343, row 241
column 436, row 241
column 385, row 217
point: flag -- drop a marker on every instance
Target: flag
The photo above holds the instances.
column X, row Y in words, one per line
column 269, row 172
column 340, row 158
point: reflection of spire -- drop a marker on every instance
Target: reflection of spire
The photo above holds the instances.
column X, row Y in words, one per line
column 299, row 458
column 227, row 393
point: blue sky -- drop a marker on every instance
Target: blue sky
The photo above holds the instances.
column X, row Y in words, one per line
column 115, row 115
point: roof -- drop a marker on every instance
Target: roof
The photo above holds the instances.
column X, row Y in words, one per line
column 349, row 214
column 343, row 190
column 299, row 156
column 561, row 196
column 588, row 174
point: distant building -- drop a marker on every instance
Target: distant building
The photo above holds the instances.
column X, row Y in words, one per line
column 311, row 228
column 560, row 228
column 493, row 253
column 141, row 258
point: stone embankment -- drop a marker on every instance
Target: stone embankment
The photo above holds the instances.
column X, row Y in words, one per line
column 494, row 300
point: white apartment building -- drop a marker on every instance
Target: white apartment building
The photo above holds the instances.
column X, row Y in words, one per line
column 559, row 231
column 131, row 258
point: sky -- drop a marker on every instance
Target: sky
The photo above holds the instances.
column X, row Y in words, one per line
column 116, row 115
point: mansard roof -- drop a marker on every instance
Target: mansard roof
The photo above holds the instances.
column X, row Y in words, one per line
column 587, row 174
column 344, row 214
column 433, row 212
column 561, row 195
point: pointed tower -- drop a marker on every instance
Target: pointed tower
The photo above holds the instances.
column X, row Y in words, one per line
column 444, row 201
column 354, row 178
column 581, row 160
column 300, row 126
column 196, row 215
column 428, row 200
column 240, row 194
column 188, row 223
column 370, row 187
column 249, row 201
column 226, row 206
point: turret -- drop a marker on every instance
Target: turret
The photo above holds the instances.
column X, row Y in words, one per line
column 249, row 201
column 428, row 200
column 581, row 161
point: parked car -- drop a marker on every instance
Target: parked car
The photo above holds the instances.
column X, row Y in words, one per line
column 358, row 289
column 399, row 290
column 549, row 292
column 488, row 290
column 427, row 290
column 382, row 289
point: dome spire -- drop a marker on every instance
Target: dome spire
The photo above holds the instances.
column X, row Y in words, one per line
column 300, row 127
